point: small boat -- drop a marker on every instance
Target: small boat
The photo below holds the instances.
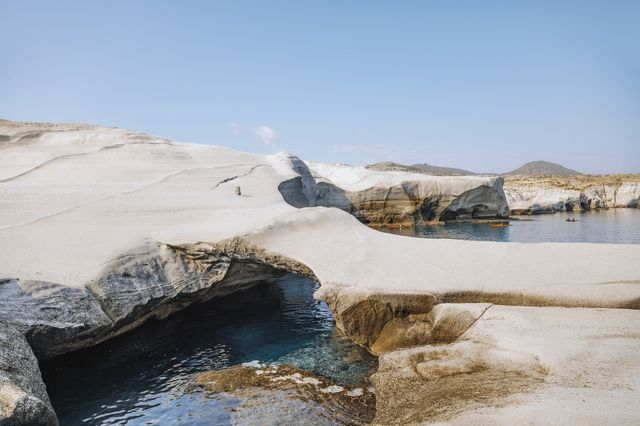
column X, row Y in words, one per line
column 499, row 225
column 571, row 219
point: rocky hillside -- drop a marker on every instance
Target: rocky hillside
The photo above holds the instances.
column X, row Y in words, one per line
column 542, row 168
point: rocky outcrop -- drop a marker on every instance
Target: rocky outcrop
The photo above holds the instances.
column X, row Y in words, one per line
column 483, row 202
column 363, row 317
column 52, row 317
column 412, row 203
column 395, row 198
column 150, row 282
column 443, row 324
column 517, row 365
column 270, row 391
column 49, row 319
column 385, row 322
column 548, row 194
column 302, row 190
column 430, row 384
column 478, row 363
column 23, row 395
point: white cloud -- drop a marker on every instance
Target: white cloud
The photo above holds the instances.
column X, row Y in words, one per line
column 266, row 135
column 235, row 128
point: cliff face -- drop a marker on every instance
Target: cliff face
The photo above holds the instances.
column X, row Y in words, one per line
column 548, row 194
column 380, row 198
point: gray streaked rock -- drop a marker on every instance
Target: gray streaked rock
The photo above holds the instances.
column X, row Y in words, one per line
column 478, row 203
column 23, row 395
column 167, row 278
column 408, row 203
column 52, row 317
column 150, row 282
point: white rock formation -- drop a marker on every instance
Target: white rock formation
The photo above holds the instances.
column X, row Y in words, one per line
column 404, row 198
column 548, row 194
column 102, row 228
column 519, row 365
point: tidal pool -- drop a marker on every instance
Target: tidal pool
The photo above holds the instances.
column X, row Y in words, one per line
column 615, row 226
column 145, row 376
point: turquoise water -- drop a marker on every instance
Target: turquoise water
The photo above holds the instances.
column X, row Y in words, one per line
column 143, row 376
column 615, row 226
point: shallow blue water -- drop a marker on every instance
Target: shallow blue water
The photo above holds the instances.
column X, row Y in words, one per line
column 143, row 377
column 616, row 226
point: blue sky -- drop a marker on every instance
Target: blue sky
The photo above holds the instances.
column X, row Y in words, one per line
column 481, row 85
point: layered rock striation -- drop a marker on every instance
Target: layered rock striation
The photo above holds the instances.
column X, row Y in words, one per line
column 400, row 198
column 23, row 395
column 549, row 194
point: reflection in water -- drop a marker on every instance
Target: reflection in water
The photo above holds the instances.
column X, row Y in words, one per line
column 616, row 226
column 143, row 376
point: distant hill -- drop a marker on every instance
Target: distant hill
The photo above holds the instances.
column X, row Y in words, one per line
column 533, row 168
column 442, row 171
column 419, row 168
column 389, row 166
column 537, row 168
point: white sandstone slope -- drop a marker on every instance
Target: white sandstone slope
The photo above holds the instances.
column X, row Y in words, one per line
column 93, row 194
column 101, row 229
column 518, row 365
column 356, row 259
column 104, row 191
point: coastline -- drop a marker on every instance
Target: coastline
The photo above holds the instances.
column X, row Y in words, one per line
column 163, row 234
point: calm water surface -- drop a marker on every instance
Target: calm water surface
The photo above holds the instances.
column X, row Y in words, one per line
column 616, row 226
column 143, row 377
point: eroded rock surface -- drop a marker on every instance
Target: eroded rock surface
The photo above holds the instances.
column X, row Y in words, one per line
column 435, row 383
column 170, row 277
column 518, row 364
column 284, row 394
column 23, row 395
column 363, row 317
column 145, row 283
column 443, row 324
column 548, row 194
column 396, row 197
column 52, row 317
